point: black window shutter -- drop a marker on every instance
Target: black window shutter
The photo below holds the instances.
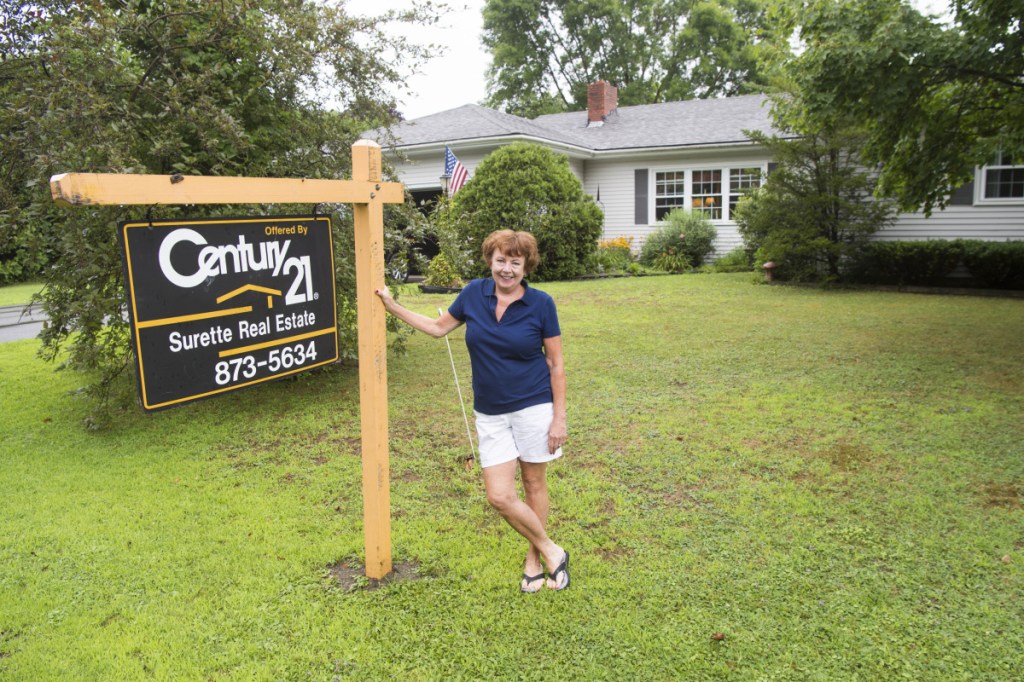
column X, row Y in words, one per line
column 640, row 185
column 772, row 166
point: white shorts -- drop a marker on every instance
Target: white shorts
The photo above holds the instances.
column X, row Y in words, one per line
column 519, row 435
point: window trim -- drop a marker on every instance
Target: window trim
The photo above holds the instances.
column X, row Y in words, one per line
column 689, row 169
column 980, row 185
column 761, row 180
column 703, row 207
column 680, row 181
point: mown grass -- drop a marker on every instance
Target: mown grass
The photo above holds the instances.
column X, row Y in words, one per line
column 18, row 294
column 762, row 483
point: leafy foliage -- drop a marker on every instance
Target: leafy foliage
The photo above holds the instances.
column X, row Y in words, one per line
column 447, row 227
column 545, row 52
column 737, row 260
column 900, row 262
column 934, row 100
column 684, row 235
column 671, row 261
column 997, row 265
column 223, row 88
column 525, row 186
column 442, row 273
column 993, row 265
column 816, row 209
column 613, row 255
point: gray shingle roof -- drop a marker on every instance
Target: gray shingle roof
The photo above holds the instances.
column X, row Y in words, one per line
column 672, row 124
column 468, row 122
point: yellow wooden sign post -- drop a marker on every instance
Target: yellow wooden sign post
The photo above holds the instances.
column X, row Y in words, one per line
column 368, row 194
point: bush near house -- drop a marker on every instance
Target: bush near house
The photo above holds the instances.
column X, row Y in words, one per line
column 995, row 265
column 685, row 235
column 991, row 265
column 902, row 263
column 441, row 273
column 737, row 260
column 817, row 209
column 613, row 255
column 528, row 187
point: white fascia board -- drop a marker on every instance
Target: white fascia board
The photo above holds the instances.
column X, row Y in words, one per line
column 493, row 142
column 640, row 153
column 572, row 151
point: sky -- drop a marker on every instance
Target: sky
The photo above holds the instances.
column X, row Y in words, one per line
column 457, row 75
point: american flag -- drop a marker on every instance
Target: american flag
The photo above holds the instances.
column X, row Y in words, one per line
column 455, row 170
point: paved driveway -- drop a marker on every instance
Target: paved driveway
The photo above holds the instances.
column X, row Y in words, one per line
column 20, row 322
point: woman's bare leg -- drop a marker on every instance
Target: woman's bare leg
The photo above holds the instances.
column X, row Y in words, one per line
column 500, row 482
column 535, row 488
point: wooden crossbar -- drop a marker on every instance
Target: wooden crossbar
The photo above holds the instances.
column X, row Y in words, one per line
column 85, row 189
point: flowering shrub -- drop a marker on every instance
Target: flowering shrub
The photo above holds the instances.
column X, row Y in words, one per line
column 614, row 254
column 616, row 243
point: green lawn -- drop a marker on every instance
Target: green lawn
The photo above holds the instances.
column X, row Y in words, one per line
column 830, row 481
column 18, row 294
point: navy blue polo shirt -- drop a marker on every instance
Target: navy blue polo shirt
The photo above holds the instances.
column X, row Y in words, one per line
column 510, row 370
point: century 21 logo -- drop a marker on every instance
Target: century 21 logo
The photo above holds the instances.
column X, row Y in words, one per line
column 243, row 257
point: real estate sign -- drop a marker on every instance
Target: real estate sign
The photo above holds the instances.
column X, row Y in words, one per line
column 221, row 304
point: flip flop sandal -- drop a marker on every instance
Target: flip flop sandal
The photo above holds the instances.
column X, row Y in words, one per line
column 529, row 579
column 562, row 568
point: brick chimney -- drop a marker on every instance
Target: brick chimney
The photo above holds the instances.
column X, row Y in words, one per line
column 602, row 99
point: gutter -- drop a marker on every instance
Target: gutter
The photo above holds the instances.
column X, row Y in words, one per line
column 570, row 150
column 573, row 151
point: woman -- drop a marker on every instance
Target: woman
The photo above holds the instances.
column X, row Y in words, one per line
column 515, row 350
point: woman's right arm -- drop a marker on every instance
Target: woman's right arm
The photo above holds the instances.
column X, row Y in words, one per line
column 436, row 328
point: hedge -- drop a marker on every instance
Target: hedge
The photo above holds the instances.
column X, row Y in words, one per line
column 991, row 265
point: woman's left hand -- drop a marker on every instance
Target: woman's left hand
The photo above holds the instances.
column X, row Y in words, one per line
column 557, row 435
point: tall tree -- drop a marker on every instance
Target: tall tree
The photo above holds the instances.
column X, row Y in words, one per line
column 815, row 211
column 545, row 52
column 234, row 87
column 935, row 100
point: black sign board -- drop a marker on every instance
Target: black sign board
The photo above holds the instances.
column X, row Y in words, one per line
column 220, row 304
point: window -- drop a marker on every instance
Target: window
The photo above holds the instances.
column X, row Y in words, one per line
column 707, row 193
column 711, row 192
column 741, row 181
column 669, row 192
column 1004, row 179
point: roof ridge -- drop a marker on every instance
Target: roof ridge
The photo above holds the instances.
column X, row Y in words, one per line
column 681, row 102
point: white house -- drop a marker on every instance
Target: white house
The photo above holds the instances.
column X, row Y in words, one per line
column 639, row 162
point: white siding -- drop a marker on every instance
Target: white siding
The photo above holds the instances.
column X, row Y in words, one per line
column 994, row 223
column 423, row 172
column 615, row 180
column 612, row 180
column 578, row 168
